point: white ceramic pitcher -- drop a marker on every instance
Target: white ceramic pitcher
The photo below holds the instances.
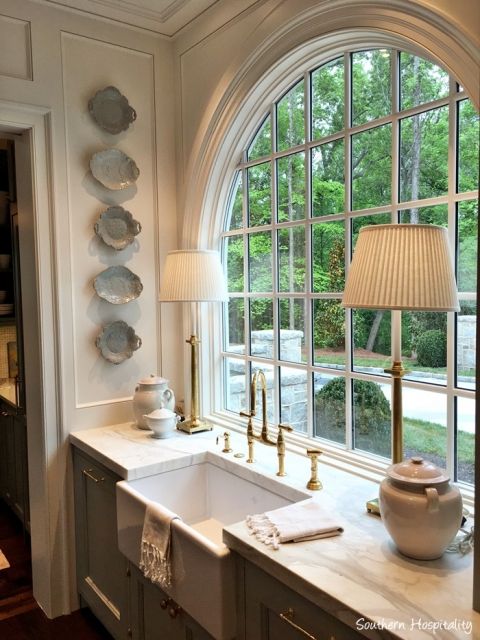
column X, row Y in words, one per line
column 151, row 393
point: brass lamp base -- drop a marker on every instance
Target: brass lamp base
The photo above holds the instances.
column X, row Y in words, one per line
column 194, row 426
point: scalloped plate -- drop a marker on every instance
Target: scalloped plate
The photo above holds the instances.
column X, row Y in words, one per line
column 117, row 342
column 114, row 169
column 111, row 111
column 117, row 227
column 118, row 285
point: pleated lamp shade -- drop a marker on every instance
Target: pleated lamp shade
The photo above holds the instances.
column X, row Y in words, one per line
column 193, row 276
column 402, row 266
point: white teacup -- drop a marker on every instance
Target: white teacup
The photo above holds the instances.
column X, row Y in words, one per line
column 162, row 422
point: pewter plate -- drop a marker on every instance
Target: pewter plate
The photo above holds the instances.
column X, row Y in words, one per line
column 114, row 169
column 117, row 228
column 111, row 111
column 118, row 285
column 117, row 342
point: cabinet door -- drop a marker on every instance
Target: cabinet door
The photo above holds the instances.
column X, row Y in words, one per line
column 102, row 577
column 20, row 468
column 273, row 611
column 155, row 616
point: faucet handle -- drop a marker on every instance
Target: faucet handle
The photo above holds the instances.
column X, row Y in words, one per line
column 247, row 414
column 285, row 427
column 314, row 483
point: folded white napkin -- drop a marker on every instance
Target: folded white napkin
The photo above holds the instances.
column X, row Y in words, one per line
column 156, row 544
column 297, row 522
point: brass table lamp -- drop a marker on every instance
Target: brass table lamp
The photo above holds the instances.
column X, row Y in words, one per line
column 401, row 267
column 193, row 276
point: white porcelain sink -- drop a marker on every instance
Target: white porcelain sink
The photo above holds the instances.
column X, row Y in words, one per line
column 207, row 495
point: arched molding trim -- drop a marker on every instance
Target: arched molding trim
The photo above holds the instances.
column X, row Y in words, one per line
column 314, row 35
column 47, row 449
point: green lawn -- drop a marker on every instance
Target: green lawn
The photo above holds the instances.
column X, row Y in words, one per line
column 429, row 438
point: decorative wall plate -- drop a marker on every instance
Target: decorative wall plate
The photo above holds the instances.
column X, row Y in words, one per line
column 114, row 169
column 117, row 228
column 118, row 285
column 117, row 342
column 111, row 111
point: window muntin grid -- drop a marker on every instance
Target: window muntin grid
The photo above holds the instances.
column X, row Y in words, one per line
column 346, row 169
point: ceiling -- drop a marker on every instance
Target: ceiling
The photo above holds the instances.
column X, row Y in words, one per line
column 166, row 17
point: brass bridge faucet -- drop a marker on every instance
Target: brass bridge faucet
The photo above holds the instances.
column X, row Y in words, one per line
column 263, row 436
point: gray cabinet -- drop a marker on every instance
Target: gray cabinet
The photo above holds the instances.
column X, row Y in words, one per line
column 272, row 611
column 155, row 616
column 13, row 461
column 102, row 571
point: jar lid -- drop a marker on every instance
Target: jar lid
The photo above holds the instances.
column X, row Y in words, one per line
column 159, row 414
column 152, row 379
column 417, row 471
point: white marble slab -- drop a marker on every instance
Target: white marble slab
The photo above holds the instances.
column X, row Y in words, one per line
column 356, row 575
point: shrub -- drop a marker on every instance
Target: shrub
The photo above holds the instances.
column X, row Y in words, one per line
column 432, row 349
column 371, row 409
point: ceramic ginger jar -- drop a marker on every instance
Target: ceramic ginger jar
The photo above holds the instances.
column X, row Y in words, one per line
column 151, row 393
column 420, row 509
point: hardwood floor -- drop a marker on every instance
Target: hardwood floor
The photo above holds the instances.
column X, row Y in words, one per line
column 20, row 616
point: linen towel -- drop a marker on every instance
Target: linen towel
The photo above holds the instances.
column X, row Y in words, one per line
column 155, row 561
column 297, row 522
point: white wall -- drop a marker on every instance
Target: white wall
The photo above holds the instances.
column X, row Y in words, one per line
column 51, row 62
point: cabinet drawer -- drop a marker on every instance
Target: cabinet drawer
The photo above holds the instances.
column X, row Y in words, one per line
column 274, row 611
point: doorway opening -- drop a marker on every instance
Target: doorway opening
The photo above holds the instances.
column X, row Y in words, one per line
column 15, row 559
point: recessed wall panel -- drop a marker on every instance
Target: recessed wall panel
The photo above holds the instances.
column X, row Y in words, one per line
column 15, row 48
column 88, row 66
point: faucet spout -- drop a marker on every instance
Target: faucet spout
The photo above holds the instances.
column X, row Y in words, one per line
column 257, row 378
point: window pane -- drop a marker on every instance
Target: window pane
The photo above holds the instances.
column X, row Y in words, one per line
column 328, row 257
column 328, row 181
column 291, row 313
column 372, row 417
column 328, row 99
column 466, row 344
column 371, row 85
column 329, row 407
column 424, row 155
column 235, row 397
column 420, row 81
column 366, row 221
column 262, row 143
column 235, row 338
column 259, row 194
column 329, row 334
column 467, row 257
column 437, row 214
column 291, row 259
column 293, row 398
column 468, row 147
column 234, row 250
column 465, row 440
column 261, row 327
column 260, row 261
column 235, row 205
column 424, row 346
column 371, row 340
column 291, row 187
column 290, row 118
column 371, row 168
column 424, row 425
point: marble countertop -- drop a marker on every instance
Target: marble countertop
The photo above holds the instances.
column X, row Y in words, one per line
column 359, row 576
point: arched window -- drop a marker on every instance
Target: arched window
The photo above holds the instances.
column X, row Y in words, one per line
column 369, row 137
